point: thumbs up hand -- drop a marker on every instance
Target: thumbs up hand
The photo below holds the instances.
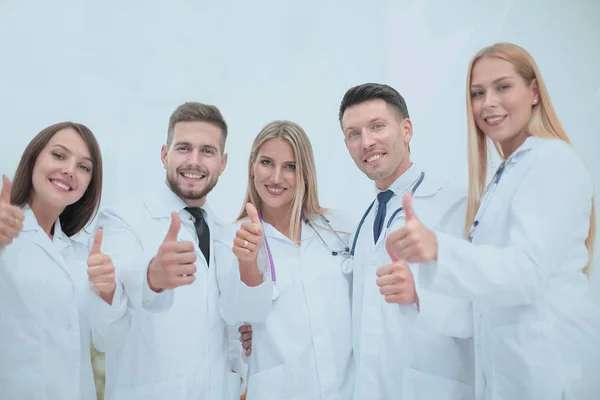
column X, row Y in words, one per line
column 101, row 272
column 413, row 242
column 11, row 217
column 396, row 282
column 173, row 265
column 249, row 237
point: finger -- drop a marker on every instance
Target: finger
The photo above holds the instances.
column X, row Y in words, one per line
column 177, row 281
column 97, row 242
column 10, row 229
column 252, row 213
column 389, row 290
column 409, row 213
column 99, row 260
column 391, row 248
column 173, row 228
column 249, row 351
column 5, row 240
column 250, row 228
column 177, row 247
column 246, row 336
column 387, row 280
column 182, row 269
column 6, row 189
column 245, row 328
column 247, row 345
column 396, row 299
column 173, row 259
column 104, row 287
column 385, row 270
column 244, row 244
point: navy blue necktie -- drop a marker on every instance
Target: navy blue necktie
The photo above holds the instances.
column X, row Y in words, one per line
column 382, row 199
column 201, row 231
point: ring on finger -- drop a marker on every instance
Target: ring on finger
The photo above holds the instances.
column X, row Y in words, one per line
column 245, row 244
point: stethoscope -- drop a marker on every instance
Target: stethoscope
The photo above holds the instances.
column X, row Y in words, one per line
column 348, row 264
column 491, row 189
column 344, row 252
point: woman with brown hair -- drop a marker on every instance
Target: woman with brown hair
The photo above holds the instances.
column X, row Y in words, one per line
column 44, row 329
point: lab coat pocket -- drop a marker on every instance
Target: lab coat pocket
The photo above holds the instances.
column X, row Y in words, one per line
column 172, row 389
column 526, row 364
column 266, row 385
column 417, row 385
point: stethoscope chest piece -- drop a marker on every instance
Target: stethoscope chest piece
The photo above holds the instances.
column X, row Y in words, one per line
column 347, row 266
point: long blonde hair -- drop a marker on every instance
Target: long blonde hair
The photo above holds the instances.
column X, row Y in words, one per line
column 306, row 197
column 544, row 123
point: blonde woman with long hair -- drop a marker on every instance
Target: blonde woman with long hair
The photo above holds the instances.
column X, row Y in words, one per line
column 530, row 239
column 287, row 278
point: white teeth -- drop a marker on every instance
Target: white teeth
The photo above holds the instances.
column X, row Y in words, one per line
column 193, row 176
column 61, row 185
column 273, row 190
column 373, row 158
column 494, row 119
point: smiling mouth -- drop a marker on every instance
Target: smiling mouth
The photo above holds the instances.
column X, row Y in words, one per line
column 193, row 175
column 374, row 157
column 495, row 120
column 62, row 186
column 275, row 191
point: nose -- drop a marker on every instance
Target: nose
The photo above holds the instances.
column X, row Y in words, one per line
column 195, row 157
column 490, row 99
column 367, row 139
column 68, row 169
column 277, row 173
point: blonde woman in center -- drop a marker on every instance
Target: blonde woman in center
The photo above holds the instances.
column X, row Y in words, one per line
column 286, row 276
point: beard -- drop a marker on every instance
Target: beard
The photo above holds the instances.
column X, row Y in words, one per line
column 191, row 194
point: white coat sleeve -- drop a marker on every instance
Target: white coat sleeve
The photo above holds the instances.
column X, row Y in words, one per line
column 131, row 262
column 549, row 213
column 437, row 312
column 239, row 303
column 109, row 323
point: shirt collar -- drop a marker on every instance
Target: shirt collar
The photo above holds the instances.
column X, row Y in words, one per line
column 162, row 201
column 408, row 179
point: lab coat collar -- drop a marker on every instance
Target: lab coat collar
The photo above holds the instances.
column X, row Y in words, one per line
column 405, row 182
column 54, row 246
column 162, row 201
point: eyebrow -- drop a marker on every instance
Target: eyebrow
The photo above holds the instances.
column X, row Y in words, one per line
column 70, row 152
column 495, row 80
column 263, row 157
column 204, row 146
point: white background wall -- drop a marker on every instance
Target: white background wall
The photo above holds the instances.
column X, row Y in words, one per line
column 121, row 67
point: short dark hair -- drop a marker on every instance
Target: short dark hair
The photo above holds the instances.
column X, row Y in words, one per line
column 370, row 91
column 197, row 112
column 78, row 215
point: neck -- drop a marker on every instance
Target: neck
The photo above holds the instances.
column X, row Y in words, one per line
column 46, row 216
column 510, row 146
column 195, row 203
column 279, row 218
column 385, row 183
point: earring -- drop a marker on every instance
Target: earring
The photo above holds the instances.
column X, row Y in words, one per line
column 535, row 101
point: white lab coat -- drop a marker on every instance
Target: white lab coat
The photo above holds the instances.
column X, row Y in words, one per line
column 301, row 342
column 44, row 328
column 173, row 345
column 537, row 328
column 403, row 353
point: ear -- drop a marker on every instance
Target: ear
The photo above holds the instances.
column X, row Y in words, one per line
column 535, row 92
column 163, row 155
column 223, row 163
column 407, row 130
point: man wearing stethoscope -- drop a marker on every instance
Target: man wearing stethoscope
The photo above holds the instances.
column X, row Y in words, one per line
column 408, row 344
